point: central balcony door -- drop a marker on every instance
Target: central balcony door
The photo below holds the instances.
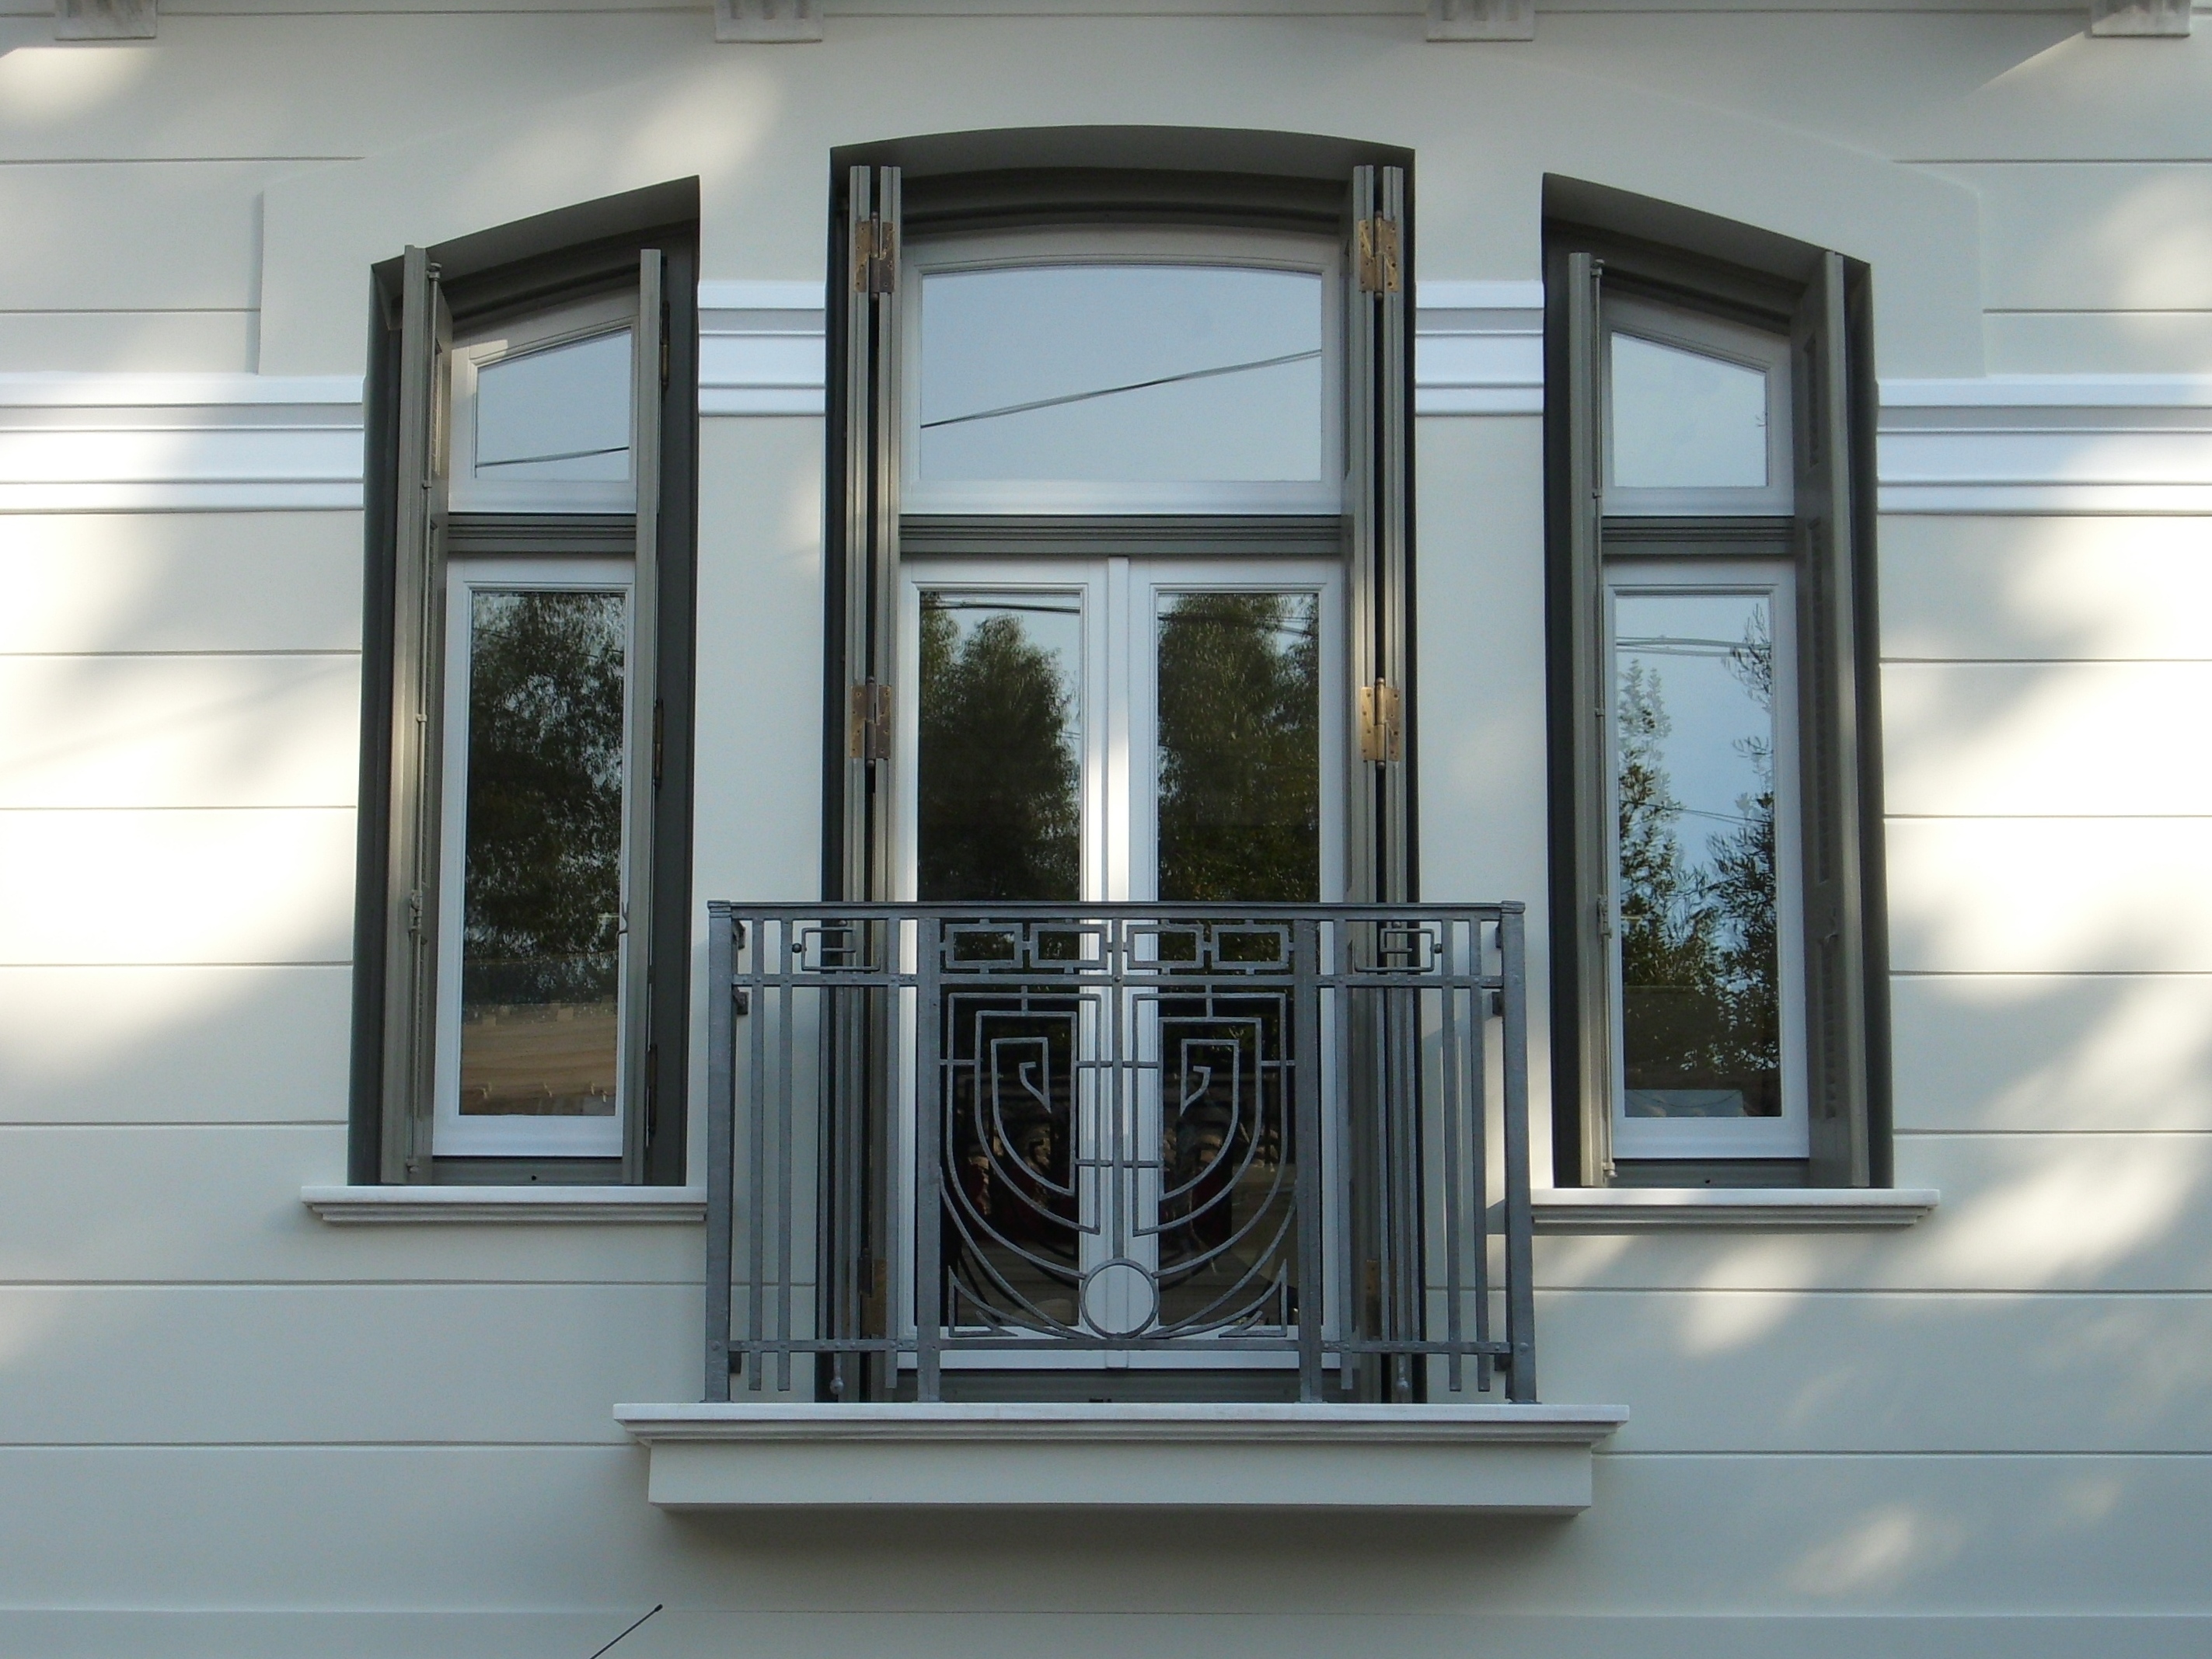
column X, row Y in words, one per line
column 1118, row 1167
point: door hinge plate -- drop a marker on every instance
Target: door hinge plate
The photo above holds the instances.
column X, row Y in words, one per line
column 875, row 257
column 869, row 737
column 1379, row 268
column 1382, row 724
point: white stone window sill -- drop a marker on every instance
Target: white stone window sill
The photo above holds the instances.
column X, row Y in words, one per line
column 1496, row 1459
column 1742, row 1209
column 355, row 1206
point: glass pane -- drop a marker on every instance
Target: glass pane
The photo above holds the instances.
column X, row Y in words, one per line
column 1694, row 719
column 1125, row 373
column 1001, row 743
column 1239, row 779
column 541, row 910
column 1682, row 419
column 559, row 416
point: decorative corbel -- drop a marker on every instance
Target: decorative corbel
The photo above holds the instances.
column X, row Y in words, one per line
column 2121, row 19
column 1482, row 20
column 768, row 21
column 103, row 20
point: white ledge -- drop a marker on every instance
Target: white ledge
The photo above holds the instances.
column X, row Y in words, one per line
column 1743, row 1209
column 437, row 1206
column 1501, row 1459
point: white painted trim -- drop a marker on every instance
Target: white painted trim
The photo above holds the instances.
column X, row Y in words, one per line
column 441, row 1205
column 2008, row 443
column 1740, row 1209
column 1498, row 1459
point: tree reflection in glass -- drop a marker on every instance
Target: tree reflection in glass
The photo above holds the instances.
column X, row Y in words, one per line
column 541, row 926
column 999, row 801
column 1239, row 747
column 1699, row 960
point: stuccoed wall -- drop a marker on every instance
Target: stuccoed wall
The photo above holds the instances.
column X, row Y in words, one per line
column 227, row 1428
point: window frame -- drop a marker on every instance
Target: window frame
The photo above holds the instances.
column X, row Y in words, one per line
column 454, row 1135
column 1719, row 1138
column 1226, row 247
column 1602, row 244
column 523, row 336
column 644, row 242
column 1705, row 335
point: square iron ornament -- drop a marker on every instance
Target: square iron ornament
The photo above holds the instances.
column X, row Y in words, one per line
column 2138, row 18
column 104, row 19
column 1482, row 20
column 768, row 21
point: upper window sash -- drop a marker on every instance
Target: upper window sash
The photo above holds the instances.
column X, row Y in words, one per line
column 544, row 412
column 1123, row 371
column 1697, row 414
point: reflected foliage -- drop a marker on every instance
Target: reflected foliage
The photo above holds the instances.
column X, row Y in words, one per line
column 541, row 912
column 1240, row 748
column 1699, row 946
column 1000, row 797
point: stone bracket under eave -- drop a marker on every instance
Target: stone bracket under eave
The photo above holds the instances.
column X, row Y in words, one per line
column 1470, row 1459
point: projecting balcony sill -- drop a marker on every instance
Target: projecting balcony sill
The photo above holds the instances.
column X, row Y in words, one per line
column 1739, row 1209
column 1492, row 1459
column 441, row 1206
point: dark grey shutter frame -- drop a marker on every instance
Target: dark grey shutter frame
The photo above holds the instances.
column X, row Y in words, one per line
column 1378, row 614
column 643, row 673
column 418, row 603
column 1591, row 926
column 873, row 423
column 1829, row 608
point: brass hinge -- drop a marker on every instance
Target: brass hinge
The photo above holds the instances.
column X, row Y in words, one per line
column 1381, row 728
column 1379, row 272
column 415, row 911
column 869, row 737
column 875, row 257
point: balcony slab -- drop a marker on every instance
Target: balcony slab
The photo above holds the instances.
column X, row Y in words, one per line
column 1485, row 1459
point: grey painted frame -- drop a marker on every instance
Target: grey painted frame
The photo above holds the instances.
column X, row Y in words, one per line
column 515, row 266
column 1822, row 300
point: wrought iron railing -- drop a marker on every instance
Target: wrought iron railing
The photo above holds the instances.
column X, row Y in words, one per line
column 950, row 1144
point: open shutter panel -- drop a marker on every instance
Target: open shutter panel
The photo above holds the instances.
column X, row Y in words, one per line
column 1828, row 611
column 647, row 362
column 1592, row 710
column 1377, row 519
column 871, row 510
column 410, row 953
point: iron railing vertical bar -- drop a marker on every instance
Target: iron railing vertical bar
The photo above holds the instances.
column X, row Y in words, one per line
column 931, row 1312
column 1520, row 1252
column 1478, row 1136
column 721, row 1110
column 1304, row 1015
column 1449, row 1132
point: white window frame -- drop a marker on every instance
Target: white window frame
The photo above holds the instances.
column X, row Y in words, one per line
column 1787, row 1136
column 1121, row 750
column 1708, row 337
column 585, row 320
column 454, row 1135
column 1254, row 250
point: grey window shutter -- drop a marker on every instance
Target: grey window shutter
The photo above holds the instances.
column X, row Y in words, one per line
column 872, row 512
column 1830, row 609
column 1590, row 716
column 646, row 360
column 411, row 951
column 1377, row 518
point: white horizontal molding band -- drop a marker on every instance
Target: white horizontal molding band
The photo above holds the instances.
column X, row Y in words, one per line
column 363, row 1206
column 100, row 442
column 1740, row 1209
column 772, row 1455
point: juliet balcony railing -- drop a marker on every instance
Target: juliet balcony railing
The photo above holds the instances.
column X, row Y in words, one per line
column 1051, row 1152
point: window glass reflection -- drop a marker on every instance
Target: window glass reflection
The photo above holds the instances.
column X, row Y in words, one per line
column 1124, row 373
column 540, row 936
column 1239, row 764
column 1694, row 781
column 559, row 416
column 1000, row 742
column 1683, row 420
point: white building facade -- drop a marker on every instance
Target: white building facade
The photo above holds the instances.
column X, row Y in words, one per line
column 1323, row 825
